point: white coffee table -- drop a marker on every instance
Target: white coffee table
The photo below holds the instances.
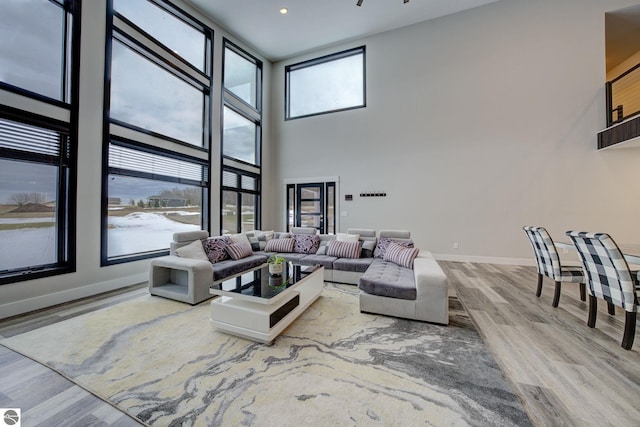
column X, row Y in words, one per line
column 259, row 306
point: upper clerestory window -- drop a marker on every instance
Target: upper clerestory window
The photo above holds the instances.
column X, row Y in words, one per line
column 327, row 84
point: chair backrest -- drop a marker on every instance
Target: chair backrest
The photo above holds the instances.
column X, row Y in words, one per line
column 546, row 254
column 608, row 273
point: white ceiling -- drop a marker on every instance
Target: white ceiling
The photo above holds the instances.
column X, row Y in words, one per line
column 312, row 24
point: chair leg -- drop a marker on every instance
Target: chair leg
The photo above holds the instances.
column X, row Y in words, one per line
column 556, row 295
column 583, row 292
column 593, row 311
column 611, row 308
column 539, row 291
column 629, row 330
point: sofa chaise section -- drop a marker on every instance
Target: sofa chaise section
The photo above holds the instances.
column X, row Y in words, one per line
column 421, row 293
column 418, row 294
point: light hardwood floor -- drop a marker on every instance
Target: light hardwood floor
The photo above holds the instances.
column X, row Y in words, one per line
column 45, row 397
column 564, row 372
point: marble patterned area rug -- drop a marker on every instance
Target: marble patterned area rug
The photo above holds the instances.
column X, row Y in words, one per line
column 163, row 363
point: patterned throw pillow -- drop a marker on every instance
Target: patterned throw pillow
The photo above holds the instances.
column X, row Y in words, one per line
column 280, row 245
column 383, row 242
column 214, row 247
column 340, row 249
column 253, row 241
column 239, row 250
column 306, row 243
column 401, row 255
column 259, row 239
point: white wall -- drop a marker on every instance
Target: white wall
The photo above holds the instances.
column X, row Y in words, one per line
column 90, row 278
column 476, row 124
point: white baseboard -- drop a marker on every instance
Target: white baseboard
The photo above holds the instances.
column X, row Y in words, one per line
column 485, row 259
column 48, row 300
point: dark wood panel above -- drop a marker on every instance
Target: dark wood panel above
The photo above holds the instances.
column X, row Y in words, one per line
column 619, row 133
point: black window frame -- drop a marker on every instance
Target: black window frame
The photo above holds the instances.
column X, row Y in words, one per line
column 257, row 140
column 254, row 115
column 240, row 191
column 153, row 142
column 242, row 108
column 323, row 60
column 111, row 170
column 67, row 158
column 228, row 44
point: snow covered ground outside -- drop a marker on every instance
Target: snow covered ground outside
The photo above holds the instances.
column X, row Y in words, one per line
column 25, row 220
column 143, row 231
column 27, row 247
column 136, row 232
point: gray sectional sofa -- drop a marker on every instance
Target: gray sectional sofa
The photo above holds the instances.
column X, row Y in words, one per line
column 386, row 288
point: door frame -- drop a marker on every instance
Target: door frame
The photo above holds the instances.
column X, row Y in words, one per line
column 313, row 180
column 322, row 199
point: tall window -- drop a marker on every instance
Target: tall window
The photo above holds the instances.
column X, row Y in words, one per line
column 241, row 140
column 39, row 53
column 324, row 85
column 158, row 86
column 151, row 196
column 240, row 199
column 240, row 136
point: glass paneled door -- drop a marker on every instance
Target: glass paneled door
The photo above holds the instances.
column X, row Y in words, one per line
column 312, row 205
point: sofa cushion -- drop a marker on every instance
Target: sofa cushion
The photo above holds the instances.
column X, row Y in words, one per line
column 303, row 230
column 401, row 255
column 229, row 267
column 368, row 246
column 215, row 248
column 387, row 279
column 323, row 260
column 395, row 234
column 383, row 242
column 255, row 243
column 357, row 265
column 259, row 239
column 324, row 243
column 280, row 245
column 292, row 256
column 239, row 250
column 193, row 250
column 239, row 238
column 346, row 237
column 188, row 236
column 340, row 249
column 306, row 243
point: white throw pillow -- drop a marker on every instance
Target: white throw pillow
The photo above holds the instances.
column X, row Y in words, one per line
column 344, row 237
column 193, row 250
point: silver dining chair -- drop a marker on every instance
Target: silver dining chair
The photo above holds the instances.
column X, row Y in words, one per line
column 609, row 278
column 549, row 265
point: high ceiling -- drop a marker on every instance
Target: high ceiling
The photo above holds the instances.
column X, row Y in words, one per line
column 312, row 24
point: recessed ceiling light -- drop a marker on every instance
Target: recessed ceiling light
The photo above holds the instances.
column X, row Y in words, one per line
column 284, row 10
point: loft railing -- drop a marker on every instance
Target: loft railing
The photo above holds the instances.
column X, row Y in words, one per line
column 623, row 96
